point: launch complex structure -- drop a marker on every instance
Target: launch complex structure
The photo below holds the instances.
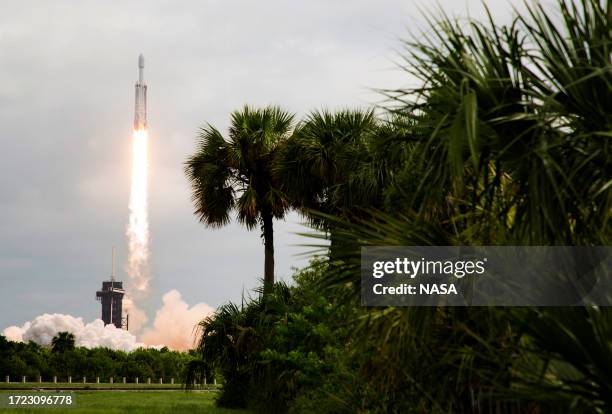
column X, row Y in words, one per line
column 111, row 297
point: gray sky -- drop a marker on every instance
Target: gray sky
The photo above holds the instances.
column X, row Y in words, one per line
column 67, row 73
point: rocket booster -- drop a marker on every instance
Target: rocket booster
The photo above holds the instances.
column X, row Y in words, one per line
column 140, row 108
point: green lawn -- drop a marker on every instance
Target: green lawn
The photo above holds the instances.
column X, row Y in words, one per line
column 30, row 385
column 146, row 402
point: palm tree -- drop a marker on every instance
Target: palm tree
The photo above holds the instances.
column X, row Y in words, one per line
column 62, row 342
column 508, row 147
column 517, row 121
column 327, row 163
column 236, row 174
column 231, row 340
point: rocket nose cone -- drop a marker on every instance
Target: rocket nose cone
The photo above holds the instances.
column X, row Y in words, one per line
column 141, row 61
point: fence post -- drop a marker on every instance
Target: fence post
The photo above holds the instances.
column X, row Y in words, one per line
column 97, row 380
column 171, row 380
column 40, row 379
column 23, row 379
column 55, row 379
column 204, row 380
column 148, row 380
column 215, row 381
column 69, row 379
column 111, row 380
column 84, row 380
column 161, row 380
column 136, row 380
column 124, row 380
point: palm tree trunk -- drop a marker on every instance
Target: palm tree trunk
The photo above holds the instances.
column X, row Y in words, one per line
column 268, row 233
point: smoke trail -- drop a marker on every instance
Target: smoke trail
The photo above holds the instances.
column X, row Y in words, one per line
column 138, row 230
column 138, row 226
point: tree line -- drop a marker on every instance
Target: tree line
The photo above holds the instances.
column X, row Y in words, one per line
column 506, row 141
column 63, row 359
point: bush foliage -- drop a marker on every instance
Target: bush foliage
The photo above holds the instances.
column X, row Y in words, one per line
column 505, row 142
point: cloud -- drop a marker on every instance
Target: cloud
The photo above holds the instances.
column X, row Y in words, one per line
column 91, row 335
column 15, row 333
column 137, row 317
column 173, row 327
column 175, row 322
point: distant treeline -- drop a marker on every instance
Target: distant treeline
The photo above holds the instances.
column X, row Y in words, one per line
column 32, row 360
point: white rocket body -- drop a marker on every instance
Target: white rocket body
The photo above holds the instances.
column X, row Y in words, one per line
column 140, row 109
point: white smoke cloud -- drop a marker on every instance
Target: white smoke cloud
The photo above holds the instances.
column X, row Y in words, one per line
column 15, row 333
column 137, row 317
column 91, row 335
column 173, row 327
column 175, row 322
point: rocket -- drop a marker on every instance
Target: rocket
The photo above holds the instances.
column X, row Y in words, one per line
column 140, row 108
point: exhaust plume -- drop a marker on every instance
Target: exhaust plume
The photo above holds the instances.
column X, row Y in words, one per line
column 138, row 225
column 92, row 335
column 138, row 232
column 174, row 327
column 175, row 322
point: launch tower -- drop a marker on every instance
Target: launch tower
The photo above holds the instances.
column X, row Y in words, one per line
column 111, row 297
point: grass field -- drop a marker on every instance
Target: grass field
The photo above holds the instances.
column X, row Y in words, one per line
column 31, row 385
column 146, row 402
